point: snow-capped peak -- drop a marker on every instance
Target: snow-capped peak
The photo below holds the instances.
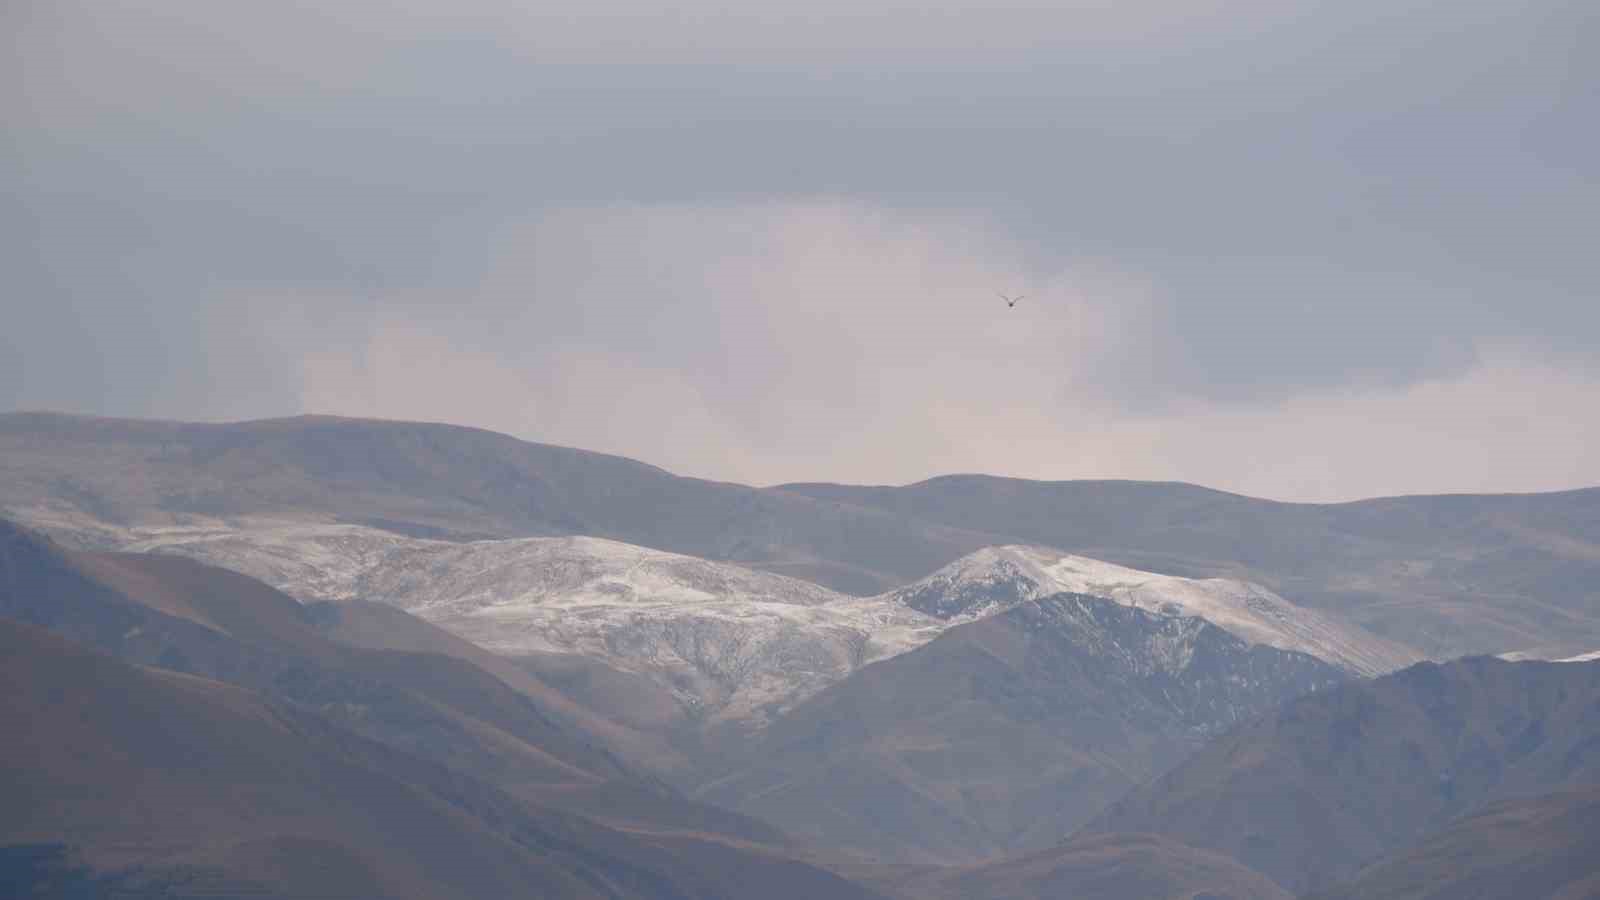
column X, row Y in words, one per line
column 996, row 578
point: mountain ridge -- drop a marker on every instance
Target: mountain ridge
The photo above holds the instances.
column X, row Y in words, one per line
column 1448, row 574
column 734, row 646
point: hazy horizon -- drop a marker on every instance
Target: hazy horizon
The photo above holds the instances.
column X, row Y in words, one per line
column 772, row 484
column 1306, row 251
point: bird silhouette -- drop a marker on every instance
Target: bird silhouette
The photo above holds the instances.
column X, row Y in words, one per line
column 1011, row 301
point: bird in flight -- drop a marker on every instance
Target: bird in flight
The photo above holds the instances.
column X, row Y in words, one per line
column 1011, row 301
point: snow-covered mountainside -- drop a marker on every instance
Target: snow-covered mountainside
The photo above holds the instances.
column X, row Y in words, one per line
column 997, row 578
column 731, row 644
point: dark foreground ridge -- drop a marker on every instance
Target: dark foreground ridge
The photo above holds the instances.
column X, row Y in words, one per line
column 1335, row 781
column 333, row 776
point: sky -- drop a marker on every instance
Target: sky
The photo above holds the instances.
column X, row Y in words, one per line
column 1302, row 250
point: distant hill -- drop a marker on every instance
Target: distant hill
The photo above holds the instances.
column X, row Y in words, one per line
column 1334, row 781
column 439, row 481
column 1450, row 575
column 1545, row 848
column 1447, row 575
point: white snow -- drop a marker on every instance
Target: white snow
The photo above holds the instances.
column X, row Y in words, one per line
column 1247, row 610
column 1547, row 656
column 732, row 643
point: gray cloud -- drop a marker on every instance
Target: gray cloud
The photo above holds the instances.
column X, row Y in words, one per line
column 763, row 244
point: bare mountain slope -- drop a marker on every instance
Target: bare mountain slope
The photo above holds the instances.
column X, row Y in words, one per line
column 1545, row 848
column 131, row 781
column 1336, row 780
column 181, row 615
column 1099, row 867
column 1004, row 734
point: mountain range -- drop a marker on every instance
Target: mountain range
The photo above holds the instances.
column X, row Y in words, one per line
column 578, row 675
column 731, row 643
column 1447, row 575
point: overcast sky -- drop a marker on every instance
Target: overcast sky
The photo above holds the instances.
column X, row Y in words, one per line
column 1300, row 250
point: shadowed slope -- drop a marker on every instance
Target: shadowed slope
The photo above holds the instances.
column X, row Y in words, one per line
column 1332, row 781
column 184, row 616
column 168, row 785
column 437, row 703
column 1547, row 848
column 379, row 626
column 1100, row 867
column 1004, row 734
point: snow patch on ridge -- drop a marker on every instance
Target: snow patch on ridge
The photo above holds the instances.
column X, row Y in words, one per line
column 997, row 578
column 731, row 643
